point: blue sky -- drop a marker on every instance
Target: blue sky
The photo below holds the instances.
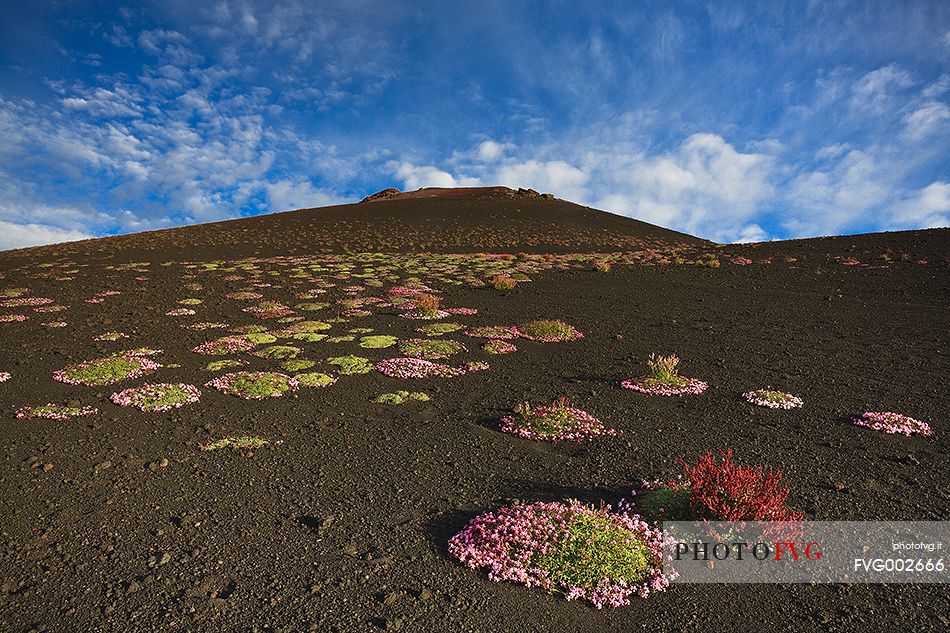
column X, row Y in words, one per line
column 732, row 121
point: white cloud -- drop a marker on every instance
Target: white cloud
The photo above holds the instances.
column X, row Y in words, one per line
column 418, row 176
column 875, row 90
column 927, row 208
column 937, row 88
column 668, row 37
column 825, row 201
column 286, row 194
column 751, row 233
column 14, row 235
column 926, row 120
column 489, row 151
column 832, row 151
column 545, row 176
column 705, row 187
column 105, row 103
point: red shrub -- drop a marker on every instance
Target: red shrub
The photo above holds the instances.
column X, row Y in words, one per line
column 428, row 303
column 501, row 282
column 731, row 492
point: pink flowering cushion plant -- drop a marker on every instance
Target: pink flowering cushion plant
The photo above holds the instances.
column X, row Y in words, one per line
column 26, row 301
column 772, row 399
column 554, row 423
column 893, row 423
column 547, row 331
column 574, row 549
column 157, row 397
column 416, row 368
column 108, row 370
column 225, row 346
column 664, row 380
column 4, row 376
column 496, row 346
column 254, row 385
column 54, row 412
column 424, row 315
column 492, row 332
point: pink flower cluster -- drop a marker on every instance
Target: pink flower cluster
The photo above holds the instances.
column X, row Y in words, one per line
column 53, row 411
column 499, row 347
column 572, row 333
column 144, row 397
column 510, row 542
column 10, row 318
column 225, row 346
column 180, row 312
column 409, row 290
column 268, row 311
column 243, row 296
column 424, row 316
column 577, row 424
column 652, row 386
column 492, row 331
column 4, row 376
column 142, row 367
column 462, row 311
column 890, row 422
column 26, row 301
column 228, row 383
column 772, row 399
column 416, row 368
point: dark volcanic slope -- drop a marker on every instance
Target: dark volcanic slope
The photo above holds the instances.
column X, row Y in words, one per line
column 495, row 219
column 118, row 522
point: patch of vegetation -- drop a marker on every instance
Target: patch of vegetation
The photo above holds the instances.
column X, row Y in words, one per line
column 308, row 337
column 249, row 329
column 308, row 327
column 401, row 397
column 440, row 329
column 227, row 363
column 548, row 331
column 666, row 503
column 378, row 342
column 157, row 397
column 106, row 371
column 595, row 547
column 244, row 442
column 311, row 306
column 296, row 365
column 351, row 364
column 503, row 282
column 54, row 412
column 315, row 379
column 277, row 352
column 260, row 338
column 254, row 385
column 556, row 422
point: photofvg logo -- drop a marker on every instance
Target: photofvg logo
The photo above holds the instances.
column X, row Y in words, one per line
column 807, row 551
column 719, row 551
